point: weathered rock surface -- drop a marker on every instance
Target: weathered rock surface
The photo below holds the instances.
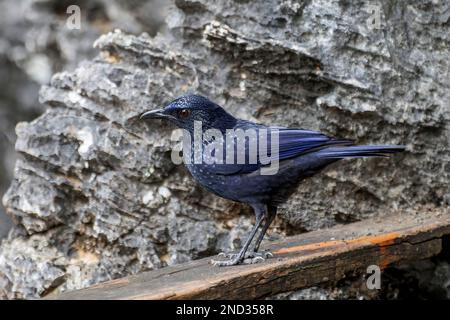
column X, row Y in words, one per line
column 35, row 43
column 95, row 195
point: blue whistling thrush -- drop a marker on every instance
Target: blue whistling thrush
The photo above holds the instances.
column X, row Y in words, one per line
column 299, row 154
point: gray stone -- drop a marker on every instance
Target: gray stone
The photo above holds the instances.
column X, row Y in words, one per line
column 35, row 43
column 95, row 195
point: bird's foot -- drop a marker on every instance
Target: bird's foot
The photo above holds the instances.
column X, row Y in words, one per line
column 249, row 258
column 247, row 255
column 225, row 263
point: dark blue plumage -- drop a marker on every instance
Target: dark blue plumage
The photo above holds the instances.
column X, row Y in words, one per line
column 301, row 154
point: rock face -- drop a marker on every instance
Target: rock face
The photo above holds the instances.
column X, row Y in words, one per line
column 95, row 195
column 35, row 43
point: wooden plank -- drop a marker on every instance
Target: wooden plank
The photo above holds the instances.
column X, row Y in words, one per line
column 299, row 262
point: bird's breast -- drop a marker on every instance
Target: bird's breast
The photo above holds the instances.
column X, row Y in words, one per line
column 222, row 185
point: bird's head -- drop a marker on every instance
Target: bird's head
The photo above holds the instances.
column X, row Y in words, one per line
column 184, row 111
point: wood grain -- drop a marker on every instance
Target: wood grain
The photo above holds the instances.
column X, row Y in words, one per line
column 299, row 262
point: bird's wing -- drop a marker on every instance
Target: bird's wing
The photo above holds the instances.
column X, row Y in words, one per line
column 294, row 142
column 291, row 142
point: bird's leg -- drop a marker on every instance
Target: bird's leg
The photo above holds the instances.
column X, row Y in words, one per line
column 253, row 253
column 241, row 255
column 271, row 213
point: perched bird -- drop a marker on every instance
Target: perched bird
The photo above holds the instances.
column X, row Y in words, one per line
column 298, row 154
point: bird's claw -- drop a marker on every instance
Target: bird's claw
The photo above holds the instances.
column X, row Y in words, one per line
column 231, row 261
column 249, row 258
column 223, row 255
column 249, row 254
column 256, row 257
column 266, row 254
column 224, row 263
column 228, row 255
column 254, row 260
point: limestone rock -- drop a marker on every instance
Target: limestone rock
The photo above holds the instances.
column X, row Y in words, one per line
column 95, row 193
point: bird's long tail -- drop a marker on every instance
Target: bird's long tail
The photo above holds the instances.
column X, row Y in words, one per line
column 359, row 151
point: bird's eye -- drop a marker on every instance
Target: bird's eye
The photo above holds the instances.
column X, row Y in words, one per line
column 184, row 113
